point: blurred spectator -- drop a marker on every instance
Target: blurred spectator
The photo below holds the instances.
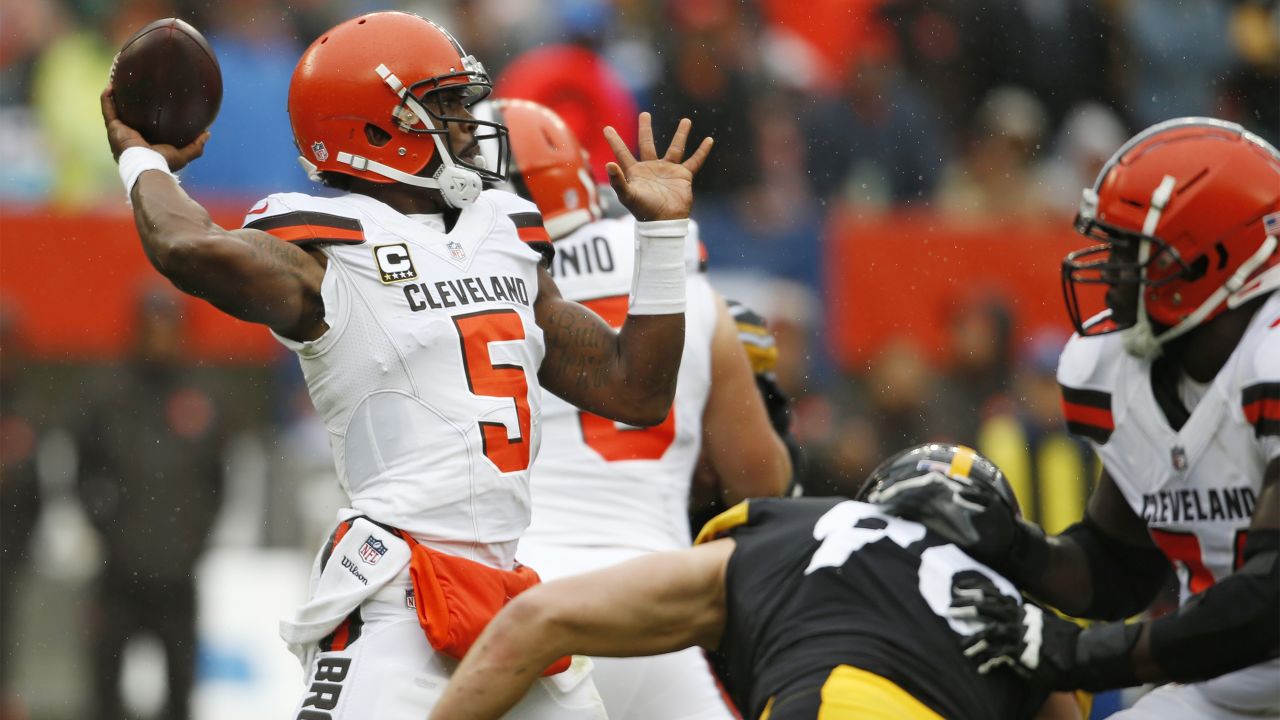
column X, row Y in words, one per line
column 852, row 451
column 878, row 144
column 975, row 383
column 28, row 28
column 1059, row 50
column 900, row 396
column 837, row 30
column 84, row 172
column 1091, row 134
column 935, row 41
column 1254, row 86
column 581, row 88
column 19, row 498
column 868, row 417
column 709, row 77
column 773, row 227
column 1176, row 55
column 995, row 174
column 250, row 152
column 151, row 478
column 1051, row 471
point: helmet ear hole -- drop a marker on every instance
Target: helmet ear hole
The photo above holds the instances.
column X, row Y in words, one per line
column 1198, row 268
column 376, row 136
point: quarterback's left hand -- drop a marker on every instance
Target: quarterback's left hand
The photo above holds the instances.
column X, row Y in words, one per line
column 1050, row 652
column 653, row 188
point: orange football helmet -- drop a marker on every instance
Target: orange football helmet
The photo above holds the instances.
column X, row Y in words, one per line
column 1188, row 212
column 364, row 101
column 547, row 164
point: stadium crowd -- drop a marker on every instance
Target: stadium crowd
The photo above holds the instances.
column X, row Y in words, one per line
column 967, row 112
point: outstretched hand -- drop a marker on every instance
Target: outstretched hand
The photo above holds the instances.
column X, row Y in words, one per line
column 653, row 188
column 122, row 137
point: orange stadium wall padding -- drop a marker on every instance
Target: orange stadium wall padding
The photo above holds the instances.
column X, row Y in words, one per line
column 71, row 282
column 907, row 275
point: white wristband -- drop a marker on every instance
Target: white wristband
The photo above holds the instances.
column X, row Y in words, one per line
column 136, row 160
column 658, row 284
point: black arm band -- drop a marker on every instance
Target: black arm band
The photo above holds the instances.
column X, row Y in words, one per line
column 1124, row 578
column 1230, row 626
column 1103, row 658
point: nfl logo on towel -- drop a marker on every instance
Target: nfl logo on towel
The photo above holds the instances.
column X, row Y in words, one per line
column 372, row 550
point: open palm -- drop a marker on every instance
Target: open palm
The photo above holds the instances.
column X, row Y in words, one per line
column 654, row 188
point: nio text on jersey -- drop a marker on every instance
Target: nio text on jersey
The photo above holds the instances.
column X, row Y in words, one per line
column 582, row 258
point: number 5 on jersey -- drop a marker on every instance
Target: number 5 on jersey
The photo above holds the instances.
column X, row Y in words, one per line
column 485, row 378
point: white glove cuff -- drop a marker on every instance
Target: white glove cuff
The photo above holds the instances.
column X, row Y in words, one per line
column 658, row 284
column 136, row 160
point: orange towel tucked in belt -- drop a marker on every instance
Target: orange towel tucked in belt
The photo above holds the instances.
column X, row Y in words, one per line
column 456, row 597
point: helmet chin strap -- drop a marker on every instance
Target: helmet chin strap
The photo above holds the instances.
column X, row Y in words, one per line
column 457, row 185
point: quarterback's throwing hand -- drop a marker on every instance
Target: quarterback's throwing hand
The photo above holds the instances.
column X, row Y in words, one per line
column 122, row 137
column 654, row 188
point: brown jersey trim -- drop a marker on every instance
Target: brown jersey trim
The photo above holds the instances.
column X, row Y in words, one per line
column 305, row 226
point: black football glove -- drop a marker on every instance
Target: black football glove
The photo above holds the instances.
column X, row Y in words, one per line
column 974, row 517
column 1051, row 653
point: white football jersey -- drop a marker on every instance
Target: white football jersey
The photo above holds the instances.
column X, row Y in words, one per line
column 605, row 484
column 1195, row 487
column 427, row 377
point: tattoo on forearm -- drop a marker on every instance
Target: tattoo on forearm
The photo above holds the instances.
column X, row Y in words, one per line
column 586, row 351
column 570, row 328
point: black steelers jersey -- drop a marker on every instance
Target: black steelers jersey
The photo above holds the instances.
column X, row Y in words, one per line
column 819, row 582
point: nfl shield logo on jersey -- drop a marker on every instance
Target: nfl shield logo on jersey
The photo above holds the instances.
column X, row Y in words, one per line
column 372, row 550
column 455, row 250
column 1179, row 457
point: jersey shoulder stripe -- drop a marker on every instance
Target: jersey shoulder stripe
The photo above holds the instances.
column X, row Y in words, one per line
column 306, row 227
column 1088, row 413
column 526, row 219
column 1087, row 371
column 1261, row 405
column 530, row 229
column 1259, row 370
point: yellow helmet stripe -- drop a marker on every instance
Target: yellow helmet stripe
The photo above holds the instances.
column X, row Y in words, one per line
column 962, row 462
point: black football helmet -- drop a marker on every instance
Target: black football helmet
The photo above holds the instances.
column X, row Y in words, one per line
column 917, row 464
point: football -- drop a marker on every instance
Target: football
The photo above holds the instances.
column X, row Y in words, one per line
column 168, row 85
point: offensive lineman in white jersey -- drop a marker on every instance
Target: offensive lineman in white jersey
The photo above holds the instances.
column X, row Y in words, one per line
column 1183, row 406
column 426, row 324
column 604, row 492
